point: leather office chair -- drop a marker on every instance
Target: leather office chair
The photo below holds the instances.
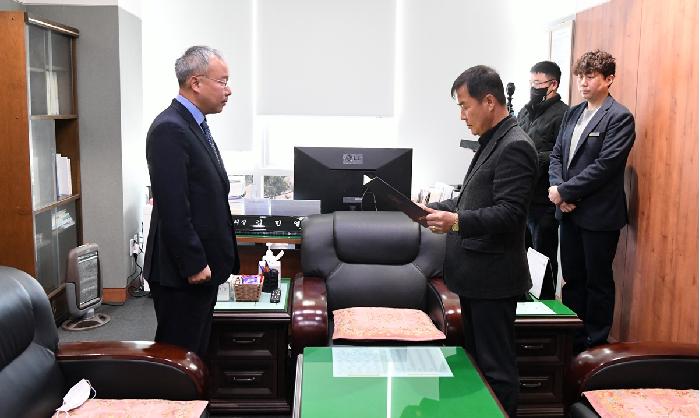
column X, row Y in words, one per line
column 375, row 259
column 36, row 371
column 633, row 365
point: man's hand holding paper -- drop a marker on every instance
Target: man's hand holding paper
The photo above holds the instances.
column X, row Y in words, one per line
column 439, row 221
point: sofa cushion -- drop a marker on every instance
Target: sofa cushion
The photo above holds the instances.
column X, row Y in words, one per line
column 371, row 323
column 123, row 408
column 644, row 402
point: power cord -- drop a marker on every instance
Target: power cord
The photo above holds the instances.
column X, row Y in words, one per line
column 362, row 199
column 135, row 279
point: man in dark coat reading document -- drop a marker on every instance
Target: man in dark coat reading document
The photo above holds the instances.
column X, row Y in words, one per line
column 485, row 259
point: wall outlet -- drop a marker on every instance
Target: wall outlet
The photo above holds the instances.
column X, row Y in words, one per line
column 133, row 247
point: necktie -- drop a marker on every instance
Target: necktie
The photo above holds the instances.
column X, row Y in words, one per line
column 210, row 140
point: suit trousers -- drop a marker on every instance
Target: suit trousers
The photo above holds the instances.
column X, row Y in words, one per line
column 542, row 235
column 489, row 334
column 184, row 315
column 589, row 289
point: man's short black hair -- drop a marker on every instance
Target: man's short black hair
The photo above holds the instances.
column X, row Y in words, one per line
column 595, row 62
column 480, row 80
column 548, row 68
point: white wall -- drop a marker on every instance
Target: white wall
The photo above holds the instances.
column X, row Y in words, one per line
column 133, row 160
column 169, row 28
column 440, row 41
column 325, row 57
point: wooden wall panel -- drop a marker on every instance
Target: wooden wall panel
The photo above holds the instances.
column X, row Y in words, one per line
column 656, row 267
column 665, row 162
column 612, row 27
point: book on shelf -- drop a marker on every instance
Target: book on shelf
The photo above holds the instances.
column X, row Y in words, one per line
column 64, row 184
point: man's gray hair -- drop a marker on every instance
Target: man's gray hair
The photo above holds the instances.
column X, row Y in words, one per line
column 194, row 61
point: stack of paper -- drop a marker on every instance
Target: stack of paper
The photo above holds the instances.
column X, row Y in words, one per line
column 389, row 362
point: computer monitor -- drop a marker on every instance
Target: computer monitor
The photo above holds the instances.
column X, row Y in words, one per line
column 334, row 175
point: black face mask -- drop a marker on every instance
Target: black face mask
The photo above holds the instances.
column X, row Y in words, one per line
column 537, row 95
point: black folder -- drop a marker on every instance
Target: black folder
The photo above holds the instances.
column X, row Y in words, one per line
column 397, row 200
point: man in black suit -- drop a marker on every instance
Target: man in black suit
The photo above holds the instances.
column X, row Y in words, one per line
column 191, row 246
column 485, row 259
column 586, row 174
column 541, row 118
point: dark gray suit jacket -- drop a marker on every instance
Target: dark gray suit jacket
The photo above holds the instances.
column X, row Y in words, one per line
column 541, row 123
column 486, row 259
column 191, row 223
column 595, row 179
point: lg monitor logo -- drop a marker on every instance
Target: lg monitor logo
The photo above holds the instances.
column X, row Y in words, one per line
column 353, row 159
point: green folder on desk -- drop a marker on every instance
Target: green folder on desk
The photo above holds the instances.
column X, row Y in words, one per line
column 557, row 308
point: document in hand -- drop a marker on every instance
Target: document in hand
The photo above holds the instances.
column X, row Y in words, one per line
column 397, row 200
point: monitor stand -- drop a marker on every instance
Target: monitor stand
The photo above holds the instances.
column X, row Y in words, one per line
column 353, row 202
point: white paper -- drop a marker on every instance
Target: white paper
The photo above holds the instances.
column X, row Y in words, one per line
column 538, row 266
column 224, row 292
column 389, row 362
column 533, row 308
column 64, row 186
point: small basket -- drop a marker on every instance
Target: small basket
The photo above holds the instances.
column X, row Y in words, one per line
column 245, row 292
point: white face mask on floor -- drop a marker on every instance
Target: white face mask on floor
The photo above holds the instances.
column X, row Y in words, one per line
column 76, row 396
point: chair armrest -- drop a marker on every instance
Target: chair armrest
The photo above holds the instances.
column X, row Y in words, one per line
column 309, row 314
column 134, row 369
column 634, row 365
column 445, row 311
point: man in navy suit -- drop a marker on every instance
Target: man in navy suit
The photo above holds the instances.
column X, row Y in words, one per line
column 586, row 174
column 191, row 246
column 485, row 258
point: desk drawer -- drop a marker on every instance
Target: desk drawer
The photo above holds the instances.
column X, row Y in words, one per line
column 244, row 379
column 540, row 384
column 538, row 348
column 242, row 338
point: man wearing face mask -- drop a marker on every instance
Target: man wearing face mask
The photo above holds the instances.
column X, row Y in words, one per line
column 541, row 118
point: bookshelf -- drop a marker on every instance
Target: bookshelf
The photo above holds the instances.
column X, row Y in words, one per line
column 38, row 120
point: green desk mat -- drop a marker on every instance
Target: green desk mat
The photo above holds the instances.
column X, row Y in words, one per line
column 463, row 395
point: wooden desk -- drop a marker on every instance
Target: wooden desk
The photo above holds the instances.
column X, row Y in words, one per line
column 544, row 345
column 248, row 356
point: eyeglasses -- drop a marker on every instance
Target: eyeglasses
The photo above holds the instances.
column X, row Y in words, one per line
column 222, row 83
column 535, row 83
